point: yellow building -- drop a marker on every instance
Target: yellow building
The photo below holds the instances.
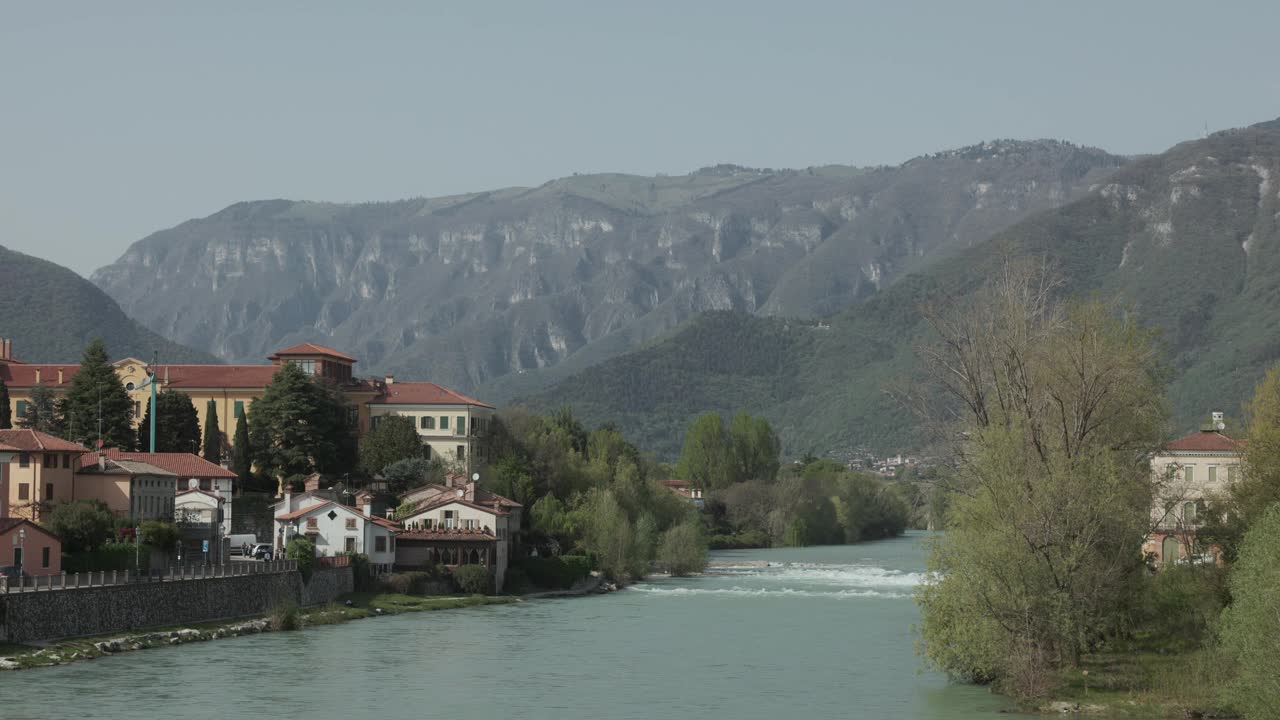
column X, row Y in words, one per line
column 42, row 472
column 448, row 423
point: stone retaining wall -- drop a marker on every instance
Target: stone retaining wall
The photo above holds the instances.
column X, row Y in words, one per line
column 31, row 616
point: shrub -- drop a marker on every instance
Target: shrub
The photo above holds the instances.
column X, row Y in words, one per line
column 361, row 574
column 161, row 535
column 473, row 579
column 683, row 550
column 112, row 556
column 304, row 552
column 558, row 572
column 411, row 583
column 81, row 524
column 285, row 616
column 1181, row 605
column 1252, row 623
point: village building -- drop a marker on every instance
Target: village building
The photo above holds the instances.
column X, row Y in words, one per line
column 191, row 472
column 40, row 473
column 450, row 424
column 1189, row 473
column 337, row 529
column 458, row 523
column 132, row 489
column 30, row 547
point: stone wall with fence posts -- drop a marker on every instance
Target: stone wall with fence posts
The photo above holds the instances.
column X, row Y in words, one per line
column 106, row 602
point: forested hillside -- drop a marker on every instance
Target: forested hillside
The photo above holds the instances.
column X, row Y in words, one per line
column 50, row 313
column 1187, row 239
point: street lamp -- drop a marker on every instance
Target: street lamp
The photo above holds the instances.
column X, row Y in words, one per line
column 22, row 553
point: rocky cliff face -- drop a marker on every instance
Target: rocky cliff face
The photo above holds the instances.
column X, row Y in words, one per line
column 470, row 288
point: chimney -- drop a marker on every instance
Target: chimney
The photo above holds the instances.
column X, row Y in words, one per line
column 166, row 374
column 4, row 348
column 59, row 376
column 391, row 379
column 1218, row 420
column 312, row 483
column 37, row 376
column 102, row 462
column 469, row 493
column 367, row 507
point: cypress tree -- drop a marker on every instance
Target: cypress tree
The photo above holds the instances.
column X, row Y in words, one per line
column 241, row 451
column 212, row 434
column 96, row 394
column 177, row 424
column 6, row 413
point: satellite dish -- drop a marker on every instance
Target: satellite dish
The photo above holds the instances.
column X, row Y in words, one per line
column 476, row 477
column 193, row 484
column 460, row 493
column 1221, row 425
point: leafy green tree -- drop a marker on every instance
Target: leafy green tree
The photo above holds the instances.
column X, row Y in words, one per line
column 242, row 450
column 42, row 410
column 299, row 426
column 212, row 447
column 683, row 550
column 473, row 579
column 412, row 472
column 95, row 400
column 1251, row 624
column 82, row 524
column 177, row 424
column 755, row 448
column 159, row 534
column 392, row 439
column 1061, row 406
column 610, row 536
column 6, row 411
column 303, row 551
column 706, row 459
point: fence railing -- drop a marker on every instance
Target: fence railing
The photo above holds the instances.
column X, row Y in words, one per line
column 333, row 561
column 175, row 573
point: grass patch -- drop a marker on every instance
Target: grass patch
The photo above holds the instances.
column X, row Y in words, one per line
column 1143, row 684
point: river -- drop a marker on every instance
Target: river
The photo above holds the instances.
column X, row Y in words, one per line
column 820, row 632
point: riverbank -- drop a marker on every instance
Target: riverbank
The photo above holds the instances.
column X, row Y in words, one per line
column 1144, row 684
column 362, row 605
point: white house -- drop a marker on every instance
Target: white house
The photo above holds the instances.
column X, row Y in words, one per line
column 462, row 526
column 450, row 424
column 337, row 529
column 197, row 506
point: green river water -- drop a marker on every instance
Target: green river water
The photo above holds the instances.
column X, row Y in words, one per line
column 820, row 632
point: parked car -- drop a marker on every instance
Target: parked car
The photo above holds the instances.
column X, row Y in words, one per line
column 262, row 551
column 13, row 571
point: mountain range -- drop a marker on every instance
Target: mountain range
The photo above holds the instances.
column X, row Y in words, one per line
column 1188, row 239
column 482, row 291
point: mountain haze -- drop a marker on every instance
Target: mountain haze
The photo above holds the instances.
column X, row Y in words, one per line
column 50, row 313
column 481, row 288
column 1188, row 238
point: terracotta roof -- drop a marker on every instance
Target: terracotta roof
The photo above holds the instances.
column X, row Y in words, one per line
column 215, row 376
column 461, row 501
column 312, row 508
column 458, row 534
column 484, row 497
column 9, row 523
column 423, row 393
column 1205, row 441
column 21, row 375
column 674, row 483
column 183, row 464
column 120, row 466
column 307, row 348
column 36, row 441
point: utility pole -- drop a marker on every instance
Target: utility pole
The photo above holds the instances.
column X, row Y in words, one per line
column 151, row 378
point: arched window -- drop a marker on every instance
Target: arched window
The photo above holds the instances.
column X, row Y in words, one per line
column 1169, row 550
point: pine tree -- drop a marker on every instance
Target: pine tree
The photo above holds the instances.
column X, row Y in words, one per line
column 97, row 399
column 6, row 413
column 177, row 424
column 42, row 411
column 212, row 434
column 242, row 451
column 394, row 439
column 301, row 426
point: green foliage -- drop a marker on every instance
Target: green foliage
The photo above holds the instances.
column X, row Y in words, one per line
column 683, row 550
column 303, row 551
column 393, row 438
column 177, row 424
column 473, row 579
column 81, row 524
column 1252, row 623
column 559, row 572
column 416, row 582
column 300, row 426
column 413, row 472
column 707, row 460
column 211, row 448
column 71, row 311
column 42, row 411
column 161, row 535
column 242, row 451
column 6, row 410
column 110, row 556
column 1180, row 606
column 96, row 394
column 285, row 616
column 754, row 448
column 621, row 551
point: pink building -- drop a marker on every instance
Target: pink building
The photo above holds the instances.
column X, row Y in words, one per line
column 24, row 543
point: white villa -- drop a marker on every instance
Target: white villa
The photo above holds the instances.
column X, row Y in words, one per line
column 1189, row 472
column 450, row 424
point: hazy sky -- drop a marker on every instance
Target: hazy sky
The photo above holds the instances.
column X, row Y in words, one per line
column 118, row 119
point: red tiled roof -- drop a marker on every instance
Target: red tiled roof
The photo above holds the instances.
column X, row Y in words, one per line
column 307, row 510
column 36, row 441
column 458, row 534
column 484, row 497
column 21, row 375
column 9, row 523
column 423, row 393
column 674, row 483
column 182, row 464
column 461, row 501
column 215, row 376
column 307, row 348
column 311, row 508
column 1205, row 441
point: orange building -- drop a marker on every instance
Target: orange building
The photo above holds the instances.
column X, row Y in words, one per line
column 30, row 547
column 42, row 472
